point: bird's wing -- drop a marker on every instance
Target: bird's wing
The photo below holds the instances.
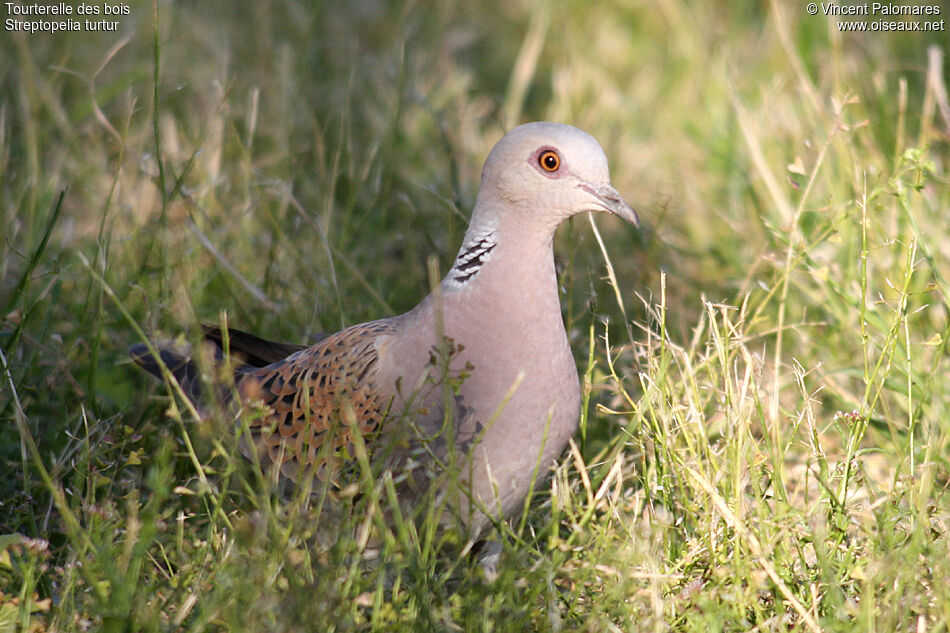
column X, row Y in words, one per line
column 310, row 403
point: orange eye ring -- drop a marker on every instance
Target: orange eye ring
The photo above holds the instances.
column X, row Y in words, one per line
column 549, row 160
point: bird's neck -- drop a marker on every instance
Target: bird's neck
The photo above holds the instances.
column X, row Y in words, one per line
column 506, row 267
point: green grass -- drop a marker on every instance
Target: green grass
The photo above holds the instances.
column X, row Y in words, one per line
column 765, row 440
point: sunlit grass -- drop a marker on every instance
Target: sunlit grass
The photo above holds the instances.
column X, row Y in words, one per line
column 764, row 440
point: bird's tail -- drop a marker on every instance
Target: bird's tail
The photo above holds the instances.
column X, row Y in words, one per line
column 177, row 358
column 248, row 350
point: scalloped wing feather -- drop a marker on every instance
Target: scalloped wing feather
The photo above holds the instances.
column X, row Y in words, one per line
column 310, row 402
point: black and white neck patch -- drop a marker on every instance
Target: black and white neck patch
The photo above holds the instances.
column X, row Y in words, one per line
column 472, row 257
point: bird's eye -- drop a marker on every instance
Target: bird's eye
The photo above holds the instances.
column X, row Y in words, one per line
column 549, row 160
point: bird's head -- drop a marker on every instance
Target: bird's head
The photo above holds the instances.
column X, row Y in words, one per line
column 552, row 171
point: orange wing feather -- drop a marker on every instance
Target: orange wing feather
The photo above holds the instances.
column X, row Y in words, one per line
column 305, row 398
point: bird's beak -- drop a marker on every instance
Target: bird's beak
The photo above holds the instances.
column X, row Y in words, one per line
column 607, row 199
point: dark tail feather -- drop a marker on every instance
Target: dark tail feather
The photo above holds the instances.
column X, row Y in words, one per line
column 180, row 364
column 253, row 350
column 249, row 349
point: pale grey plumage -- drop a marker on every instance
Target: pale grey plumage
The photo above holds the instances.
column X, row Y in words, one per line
column 516, row 397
